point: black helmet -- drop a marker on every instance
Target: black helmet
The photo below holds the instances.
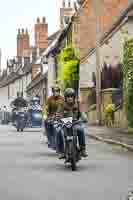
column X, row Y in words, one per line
column 69, row 92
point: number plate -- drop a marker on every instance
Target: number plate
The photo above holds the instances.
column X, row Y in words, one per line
column 66, row 120
column 69, row 137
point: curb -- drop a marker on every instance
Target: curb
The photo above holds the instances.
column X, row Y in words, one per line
column 109, row 141
column 95, row 137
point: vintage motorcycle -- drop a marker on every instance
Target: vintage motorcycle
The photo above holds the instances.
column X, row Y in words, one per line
column 72, row 150
column 35, row 114
column 21, row 119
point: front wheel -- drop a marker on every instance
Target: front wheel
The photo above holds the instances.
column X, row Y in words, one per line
column 73, row 156
column 73, row 165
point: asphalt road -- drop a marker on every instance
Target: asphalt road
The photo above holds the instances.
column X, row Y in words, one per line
column 30, row 171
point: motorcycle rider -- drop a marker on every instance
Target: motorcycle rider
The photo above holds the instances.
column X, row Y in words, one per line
column 50, row 109
column 34, row 105
column 19, row 102
column 71, row 109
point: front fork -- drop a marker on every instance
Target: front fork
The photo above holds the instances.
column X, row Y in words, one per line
column 69, row 145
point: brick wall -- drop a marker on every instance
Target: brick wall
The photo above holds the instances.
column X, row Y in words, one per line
column 84, row 36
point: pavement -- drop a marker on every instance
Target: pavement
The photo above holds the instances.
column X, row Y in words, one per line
column 112, row 136
column 30, row 171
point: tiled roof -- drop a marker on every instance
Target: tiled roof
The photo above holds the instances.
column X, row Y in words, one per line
column 50, row 47
column 28, row 67
column 57, row 41
column 36, row 81
column 9, row 79
column 52, row 37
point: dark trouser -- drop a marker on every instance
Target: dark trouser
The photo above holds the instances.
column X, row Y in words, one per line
column 60, row 137
column 21, row 121
column 50, row 132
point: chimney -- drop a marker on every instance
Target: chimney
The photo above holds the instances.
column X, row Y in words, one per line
column 23, row 43
column 69, row 4
column 66, row 12
column 41, row 33
column 63, row 4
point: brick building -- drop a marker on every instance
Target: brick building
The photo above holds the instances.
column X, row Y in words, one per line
column 84, row 22
column 22, row 69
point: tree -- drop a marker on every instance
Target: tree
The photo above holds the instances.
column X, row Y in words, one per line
column 68, row 69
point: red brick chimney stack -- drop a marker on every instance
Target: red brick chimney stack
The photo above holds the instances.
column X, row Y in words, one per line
column 41, row 33
column 23, row 43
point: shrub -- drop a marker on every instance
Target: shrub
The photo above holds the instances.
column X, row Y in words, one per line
column 68, row 69
column 109, row 114
column 128, row 80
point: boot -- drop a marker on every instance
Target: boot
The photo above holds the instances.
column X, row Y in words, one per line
column 83, row 152
column 61, row 155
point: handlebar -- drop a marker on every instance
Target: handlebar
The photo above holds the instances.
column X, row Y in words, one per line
column 73, row 121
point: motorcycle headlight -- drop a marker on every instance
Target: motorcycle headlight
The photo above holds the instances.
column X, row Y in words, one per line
column 37, row 116
column 68, row 125
column 44, row 117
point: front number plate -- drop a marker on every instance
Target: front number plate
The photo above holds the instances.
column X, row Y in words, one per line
column 69, row 137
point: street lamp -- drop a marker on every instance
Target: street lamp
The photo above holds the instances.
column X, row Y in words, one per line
column 98, row 10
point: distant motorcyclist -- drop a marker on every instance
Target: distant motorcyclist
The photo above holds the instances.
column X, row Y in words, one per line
column 71, row 108
column 35, row 103
column 34, row 108
column 50, row 109
column 20, row 102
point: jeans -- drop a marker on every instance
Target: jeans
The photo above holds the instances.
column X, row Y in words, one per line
column 50, row 132
column 60, row 137
column 21, row 120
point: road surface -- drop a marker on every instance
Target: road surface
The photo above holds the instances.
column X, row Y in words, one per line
column 30, row 171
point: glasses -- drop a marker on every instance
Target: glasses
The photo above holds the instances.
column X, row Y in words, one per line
column 70, row 96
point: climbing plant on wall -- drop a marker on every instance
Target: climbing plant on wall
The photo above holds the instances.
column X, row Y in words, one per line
column 128, row 80
column 68, row 61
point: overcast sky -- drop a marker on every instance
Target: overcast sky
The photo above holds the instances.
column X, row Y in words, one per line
column 16, row 14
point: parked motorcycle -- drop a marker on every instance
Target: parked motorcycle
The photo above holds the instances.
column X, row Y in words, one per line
column 21, row 119
column 72, row 150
